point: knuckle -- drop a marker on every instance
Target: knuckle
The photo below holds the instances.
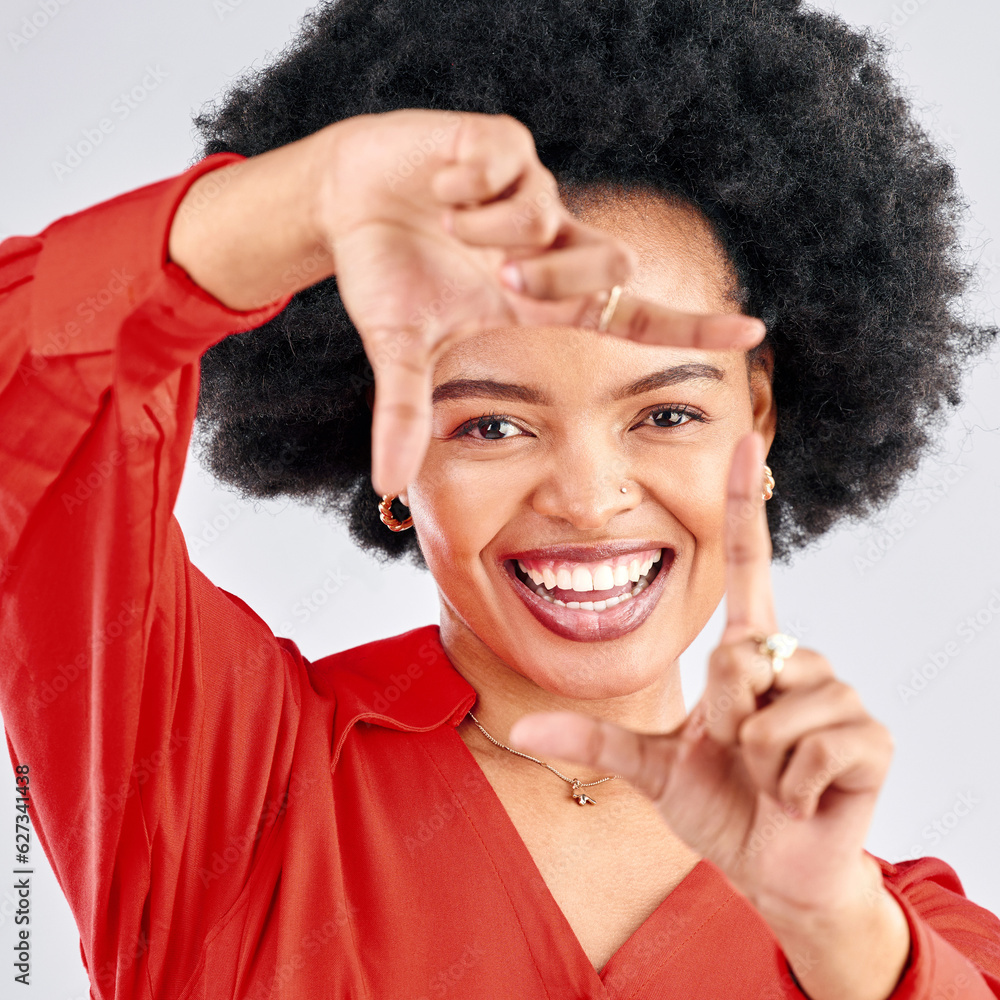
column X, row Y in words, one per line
column 541, row 279
column 620, row 266
column 818, row 750
column 402, row 410
column 639, row 323
column 816, row 662
column 756, row 734
column 514, row 126
column 726, row 664
column 535, row 223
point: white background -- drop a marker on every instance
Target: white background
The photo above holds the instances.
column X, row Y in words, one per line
column 880, row 600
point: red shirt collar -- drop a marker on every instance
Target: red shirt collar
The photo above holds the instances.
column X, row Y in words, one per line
column 406, row 682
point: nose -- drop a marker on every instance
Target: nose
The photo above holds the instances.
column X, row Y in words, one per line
column 583, row 487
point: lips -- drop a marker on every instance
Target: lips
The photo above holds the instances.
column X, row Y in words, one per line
column 591, row 594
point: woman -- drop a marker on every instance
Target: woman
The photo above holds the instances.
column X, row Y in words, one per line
column 228, row 819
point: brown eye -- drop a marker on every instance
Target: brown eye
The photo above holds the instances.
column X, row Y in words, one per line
column 495, row 428
column 489, row 428
column 671, row 417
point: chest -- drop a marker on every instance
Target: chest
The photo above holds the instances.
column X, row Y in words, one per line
column 608, row 865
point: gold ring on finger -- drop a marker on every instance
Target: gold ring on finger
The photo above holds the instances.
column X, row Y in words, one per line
column 778, row 647
column 609, row 308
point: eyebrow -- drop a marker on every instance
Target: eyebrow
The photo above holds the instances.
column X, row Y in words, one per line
column 671, row 376
column 470, row 388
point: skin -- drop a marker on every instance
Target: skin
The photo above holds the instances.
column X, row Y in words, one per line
column 558, row 481
column 773, row 779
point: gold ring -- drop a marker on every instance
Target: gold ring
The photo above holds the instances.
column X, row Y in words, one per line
column 609, row 308
column 779, row 647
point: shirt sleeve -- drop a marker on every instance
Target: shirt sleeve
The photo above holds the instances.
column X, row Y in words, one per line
column 954, row 944
column 156, row 714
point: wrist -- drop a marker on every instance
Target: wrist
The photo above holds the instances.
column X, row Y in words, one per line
column 854, row 949
column 250, row 233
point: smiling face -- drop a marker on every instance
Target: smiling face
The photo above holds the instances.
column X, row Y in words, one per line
column 544, row 564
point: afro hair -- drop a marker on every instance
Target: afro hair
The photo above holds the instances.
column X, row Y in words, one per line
column 781, row 124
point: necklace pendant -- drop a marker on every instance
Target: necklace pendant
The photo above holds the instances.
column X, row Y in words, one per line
column 582, row 798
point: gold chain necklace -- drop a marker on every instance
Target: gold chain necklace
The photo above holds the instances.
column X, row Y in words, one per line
column 582, row 798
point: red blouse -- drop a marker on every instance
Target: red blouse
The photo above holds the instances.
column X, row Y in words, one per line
column 226, row 818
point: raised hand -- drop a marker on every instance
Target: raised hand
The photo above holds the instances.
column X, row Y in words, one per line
column 438, row 225
column 772, row 778
column 445, row 224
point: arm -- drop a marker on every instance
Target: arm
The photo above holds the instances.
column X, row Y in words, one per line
column 120, row 665
column 912, row 930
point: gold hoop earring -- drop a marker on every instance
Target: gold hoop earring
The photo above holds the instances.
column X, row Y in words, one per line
column 768, row 484
column 386, row 516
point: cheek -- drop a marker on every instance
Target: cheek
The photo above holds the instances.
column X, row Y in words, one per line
column 458, row 509
column 693, row 490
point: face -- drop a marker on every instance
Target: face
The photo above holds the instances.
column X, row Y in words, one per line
column 542, row 561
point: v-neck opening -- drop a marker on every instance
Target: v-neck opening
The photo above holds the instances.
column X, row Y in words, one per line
column 695, row 900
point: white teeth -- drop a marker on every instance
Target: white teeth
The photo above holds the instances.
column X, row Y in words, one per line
column 582, row 579
column 594, row 605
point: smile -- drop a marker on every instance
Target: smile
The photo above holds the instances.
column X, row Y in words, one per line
column 590, row 600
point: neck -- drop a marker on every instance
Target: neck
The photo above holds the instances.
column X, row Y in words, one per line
column 504, row 694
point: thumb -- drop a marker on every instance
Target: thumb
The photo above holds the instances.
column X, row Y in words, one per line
column 645, row 760
column 401, row 416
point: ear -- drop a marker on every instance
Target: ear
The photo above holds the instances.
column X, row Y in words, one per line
column 403, row 500
column 760, row 372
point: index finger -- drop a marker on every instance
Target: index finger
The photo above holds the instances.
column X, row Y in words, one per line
column 401, row 415
column 648, row 322
column 749, row 597
column 584, row 261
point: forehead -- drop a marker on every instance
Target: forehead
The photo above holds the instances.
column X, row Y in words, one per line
column 679, row 264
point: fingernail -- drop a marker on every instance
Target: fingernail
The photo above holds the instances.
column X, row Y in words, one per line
column 511, row 276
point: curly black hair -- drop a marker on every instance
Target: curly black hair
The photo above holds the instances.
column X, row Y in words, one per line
column 781, row 123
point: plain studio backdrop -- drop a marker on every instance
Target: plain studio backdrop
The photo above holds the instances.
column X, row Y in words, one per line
column 906, row 606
